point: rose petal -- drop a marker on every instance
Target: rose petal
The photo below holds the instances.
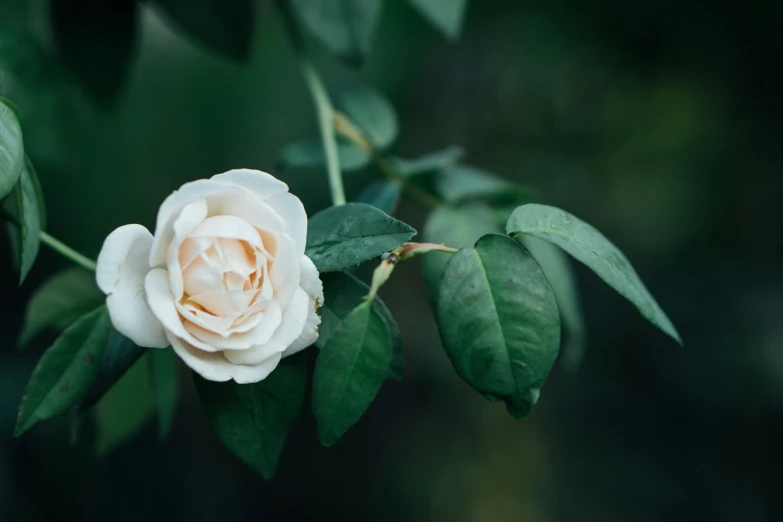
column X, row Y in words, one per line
column 202, row 276
column 246, row 323
column 259, row 305
column 225, row 303
column 261, row 333
column 267, row 292
column 309, row 333
column 255, row 211
column 215, row 367
column 261, row 184
column 259, row 277
column 120, row 272
column 238, row 257
column 192, row 215
column 161, row 304
column 293, row 322
column 270, row 243
column 173, row 205
column 310, row 281
column 284, row 271
column 205, row 320
column 291, row 210
column 228, row 227
column 118, row 261
column 236, row 283
column 192, row 248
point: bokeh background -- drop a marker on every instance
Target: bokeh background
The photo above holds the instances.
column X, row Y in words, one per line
column 658, row 122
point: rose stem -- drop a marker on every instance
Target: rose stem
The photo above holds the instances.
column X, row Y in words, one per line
column 66, row 251
column 57, row 245
column 323, row 106
column 345, row 128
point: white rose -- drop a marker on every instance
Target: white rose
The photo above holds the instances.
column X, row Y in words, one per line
column 224, row 280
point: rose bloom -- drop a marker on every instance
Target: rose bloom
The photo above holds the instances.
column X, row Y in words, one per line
column 224, row 280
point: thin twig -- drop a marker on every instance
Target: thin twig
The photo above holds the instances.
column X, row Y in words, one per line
column 345, row 128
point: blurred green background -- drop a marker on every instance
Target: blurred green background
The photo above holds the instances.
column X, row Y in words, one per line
column 658, row 122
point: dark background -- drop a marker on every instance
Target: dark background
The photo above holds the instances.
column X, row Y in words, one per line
column 658, row 122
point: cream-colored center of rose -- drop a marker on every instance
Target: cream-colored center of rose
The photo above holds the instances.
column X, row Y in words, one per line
column 225, row 276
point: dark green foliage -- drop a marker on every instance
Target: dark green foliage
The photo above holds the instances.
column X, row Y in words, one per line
column 59, row 301
column 165, row 381
column 224, row 26
column 446, row 15
column 590, row 247
column 345, row 236
column 346, row 27
column 96, row 41
column 499, row 321
column 11, row 149
column 252, row 420
column 345, row 293
column 26, row 208
column 66, row 371
column 351, row 367
column 384, row 195
column 119, row 355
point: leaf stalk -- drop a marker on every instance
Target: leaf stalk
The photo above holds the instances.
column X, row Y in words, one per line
column 58, row 246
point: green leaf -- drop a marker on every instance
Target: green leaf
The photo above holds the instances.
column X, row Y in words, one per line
column 38, row 191
column 59, row 301
column 422, row 172
column 66, row 371
column 590, row 247
column 372, row 112
column 29, row 75
column 11, row 150
column 346, row 292
column 310, row 154
column 119, row 355
column 457, row 227
column 350, row 370
column 225, row 26
column 253, row 420
column 560, row 274
column 14, row 244
column 462, row 183
column 397, row 365
column 26, row 203
column 347, row 235
column 383, row 195
column 446, row 15
column 124, row 410
column 96, row 40
column 165, row 378
column 430, row 163
column 13, row 106
column 346, row 27
column 499, row 321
